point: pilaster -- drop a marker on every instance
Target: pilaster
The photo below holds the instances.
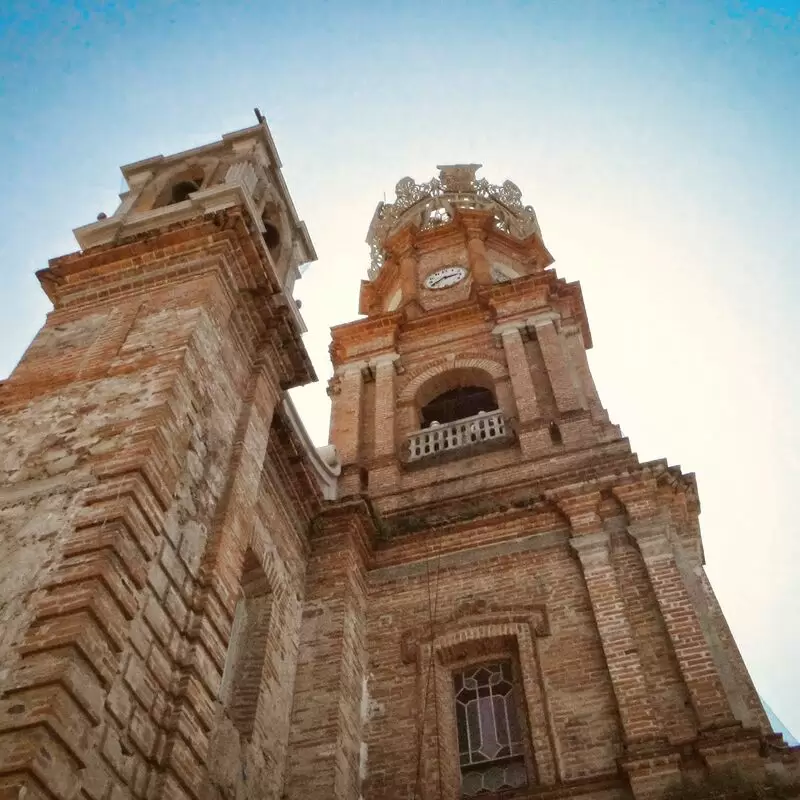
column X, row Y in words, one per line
column 532, row 433
column 405, row 254
column 384, row 368
column 555, row 359
column 593, row 546
column 474, row 225
column 639, row 721
column 649, row 527
column 327, row 722
column 346, row 408
column 519, row 370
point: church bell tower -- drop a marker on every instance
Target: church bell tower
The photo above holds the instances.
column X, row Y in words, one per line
column 537, row 613
column 477, row 590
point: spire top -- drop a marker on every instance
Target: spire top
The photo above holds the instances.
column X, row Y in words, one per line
column 433, row 203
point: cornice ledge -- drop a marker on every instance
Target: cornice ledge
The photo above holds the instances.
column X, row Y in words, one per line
column 324, row 461
column 367, row 367
column 351, row 515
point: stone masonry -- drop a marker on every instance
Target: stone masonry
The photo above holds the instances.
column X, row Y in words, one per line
column 197, row 604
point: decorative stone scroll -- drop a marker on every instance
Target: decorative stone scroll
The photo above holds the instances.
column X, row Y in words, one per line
column 433, row 203
column 242, row 173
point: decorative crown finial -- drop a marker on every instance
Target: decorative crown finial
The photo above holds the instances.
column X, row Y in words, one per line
column 430, row 204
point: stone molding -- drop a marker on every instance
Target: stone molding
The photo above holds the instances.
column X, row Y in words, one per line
column 506, row 631
column 470, row 621
column 494, row 369
column 368, row 366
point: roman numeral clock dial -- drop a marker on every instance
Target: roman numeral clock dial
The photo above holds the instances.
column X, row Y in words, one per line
column 444, row 277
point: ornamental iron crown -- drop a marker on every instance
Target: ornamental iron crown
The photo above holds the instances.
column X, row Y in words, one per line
column 430, row 204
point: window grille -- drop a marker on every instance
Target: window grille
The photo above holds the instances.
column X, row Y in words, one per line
column 490, row 738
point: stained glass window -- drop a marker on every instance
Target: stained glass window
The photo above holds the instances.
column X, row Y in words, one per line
column 490, row 740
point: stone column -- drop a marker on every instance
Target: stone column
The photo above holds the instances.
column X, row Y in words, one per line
column 650, row 530
column 619, row 646
column 555, row 360
column 346, row 390
column 327, row 725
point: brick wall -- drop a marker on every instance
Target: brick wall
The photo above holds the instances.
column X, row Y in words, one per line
column 134, row 436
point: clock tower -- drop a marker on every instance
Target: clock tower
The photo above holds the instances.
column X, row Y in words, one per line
column 535, row 610
column 477, row 590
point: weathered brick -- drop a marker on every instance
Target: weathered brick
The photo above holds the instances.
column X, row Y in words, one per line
column 193, row 605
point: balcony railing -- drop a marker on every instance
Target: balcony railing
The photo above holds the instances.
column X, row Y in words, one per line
column 483, row 427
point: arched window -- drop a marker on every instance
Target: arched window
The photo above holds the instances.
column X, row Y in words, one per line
column 272, row 234
column 180, row 187
column 458, row 403
column 241, row 682
column 182, row 190
column 491, row 737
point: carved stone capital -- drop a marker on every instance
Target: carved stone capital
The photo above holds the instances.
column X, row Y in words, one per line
column 652, row 538
column 542, row 319
column 508, row 333
column 475, row 225
column 593, row 549
column 351, row 368
column 508, row 328
column 386, row 360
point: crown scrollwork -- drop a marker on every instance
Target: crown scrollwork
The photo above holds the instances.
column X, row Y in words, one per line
column 433, row 203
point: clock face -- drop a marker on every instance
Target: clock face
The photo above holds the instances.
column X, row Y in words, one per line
column 444, row 277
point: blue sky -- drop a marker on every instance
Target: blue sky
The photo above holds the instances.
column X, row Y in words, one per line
column 657, row 142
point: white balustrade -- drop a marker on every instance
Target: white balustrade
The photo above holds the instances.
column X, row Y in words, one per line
column 440, row 438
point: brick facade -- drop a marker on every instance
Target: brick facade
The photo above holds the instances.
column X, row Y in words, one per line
column 194, row 603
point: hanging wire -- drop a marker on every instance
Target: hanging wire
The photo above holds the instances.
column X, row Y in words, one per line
column 435, row 682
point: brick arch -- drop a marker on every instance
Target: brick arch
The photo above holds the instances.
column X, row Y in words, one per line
column 484, row 369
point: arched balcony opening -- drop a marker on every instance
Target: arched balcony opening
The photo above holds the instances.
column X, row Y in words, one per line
column 457, row 410
column 459, row 403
